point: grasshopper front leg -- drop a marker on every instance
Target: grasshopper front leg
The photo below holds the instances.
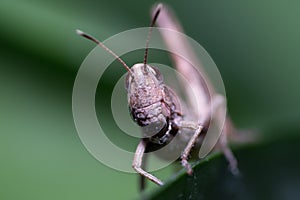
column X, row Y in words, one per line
column 137, row 163
column 217, row 104
column 186, row 152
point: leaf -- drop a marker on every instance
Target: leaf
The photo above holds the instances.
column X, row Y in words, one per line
column 269, row 170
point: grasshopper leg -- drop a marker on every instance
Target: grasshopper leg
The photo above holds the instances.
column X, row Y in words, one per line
column 137, row 163
column 186, row 152
column 233, row 164
column 219, row 103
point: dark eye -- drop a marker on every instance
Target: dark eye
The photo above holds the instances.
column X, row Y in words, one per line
column 127, row 81
column 157, row 73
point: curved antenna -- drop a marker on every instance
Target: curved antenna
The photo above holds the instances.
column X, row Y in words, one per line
column 158, row 8
column 83, row 34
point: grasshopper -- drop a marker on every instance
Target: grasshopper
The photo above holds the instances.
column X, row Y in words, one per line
column 153, row 104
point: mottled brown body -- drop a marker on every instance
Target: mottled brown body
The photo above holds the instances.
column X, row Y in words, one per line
column 153, row 105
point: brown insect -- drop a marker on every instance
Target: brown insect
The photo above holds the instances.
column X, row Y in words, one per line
column 155, row 106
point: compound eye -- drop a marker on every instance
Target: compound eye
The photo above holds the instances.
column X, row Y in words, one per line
column 127, row 81
column 157, row 73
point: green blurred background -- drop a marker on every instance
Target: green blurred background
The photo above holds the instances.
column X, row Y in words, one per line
column 255, row 44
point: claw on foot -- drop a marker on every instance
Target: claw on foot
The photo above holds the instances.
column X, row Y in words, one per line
column 234, row 170
column 187, row 166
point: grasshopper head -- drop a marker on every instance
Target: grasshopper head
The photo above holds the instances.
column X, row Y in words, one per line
column 145, row 92
column 143, row 75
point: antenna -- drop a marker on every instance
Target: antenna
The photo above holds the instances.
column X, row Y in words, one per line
column 158, row 8
column 81, row 33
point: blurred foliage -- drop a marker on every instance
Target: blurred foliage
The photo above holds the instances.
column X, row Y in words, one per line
column 255, row 44
column 268, row 171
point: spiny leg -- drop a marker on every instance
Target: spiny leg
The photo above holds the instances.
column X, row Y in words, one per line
column 142, row 178
column 233, row 165
column 137, row 163
column 186, row 152
column 219, row 103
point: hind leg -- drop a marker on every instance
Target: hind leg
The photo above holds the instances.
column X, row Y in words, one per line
column 218, row 106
